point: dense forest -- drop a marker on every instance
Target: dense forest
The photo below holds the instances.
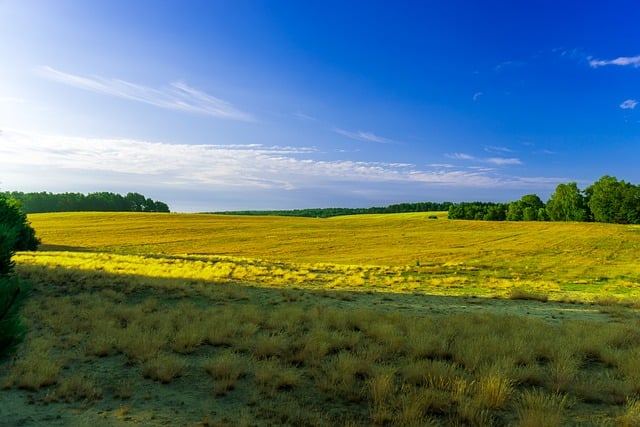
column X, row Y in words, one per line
column 329, row 212
column 77, row 202
column 606, row 200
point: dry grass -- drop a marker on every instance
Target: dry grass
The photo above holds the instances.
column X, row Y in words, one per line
column 164, row 368
column 290, row 336
column 536, row 408
column 78, row 387
column 631, row 415
column 523, row 294
column 370, row 364
column 558, row 261
column 226, row 369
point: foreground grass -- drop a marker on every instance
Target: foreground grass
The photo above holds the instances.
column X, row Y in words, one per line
column 106, row 348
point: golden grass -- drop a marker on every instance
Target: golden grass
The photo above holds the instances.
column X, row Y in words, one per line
column 631, row 416
column 398, row 253
column 536, row 408
column 164, row 368
column 294, row 321
column 592, row 249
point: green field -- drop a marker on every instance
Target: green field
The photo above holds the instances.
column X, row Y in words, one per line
column 397, row 319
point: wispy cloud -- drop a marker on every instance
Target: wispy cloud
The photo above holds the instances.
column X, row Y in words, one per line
column 629, row 104
column 499, row 161
column 496, row 149
column 502, row 161
column 477, row 95
column 90, row 164
column 634, row 61
column 460, row 156
column 301, row 116
column 177, row 96
column 364, row 136
column 508, row 64
column 575, row 53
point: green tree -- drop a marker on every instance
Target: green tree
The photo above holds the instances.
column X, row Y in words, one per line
column 15, row 234
column 515, row 212
column 567, row 203
column 495, row 213
column 614, row 201
column 525, row 209
column 12, row 216
column 532, row 201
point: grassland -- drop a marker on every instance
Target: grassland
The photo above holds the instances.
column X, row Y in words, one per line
column 403, row 252
column 371, row 320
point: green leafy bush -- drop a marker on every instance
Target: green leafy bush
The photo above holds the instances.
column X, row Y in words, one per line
column 15, row 234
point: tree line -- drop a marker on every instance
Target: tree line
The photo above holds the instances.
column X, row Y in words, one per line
column 330, row 212
column 77, row 202
column 607, row 200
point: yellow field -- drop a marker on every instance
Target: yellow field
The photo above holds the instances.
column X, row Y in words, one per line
column 403, row 252
column 388, row 320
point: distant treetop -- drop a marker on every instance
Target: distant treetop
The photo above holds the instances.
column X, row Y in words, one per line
column 330, row 212
column 78, row 202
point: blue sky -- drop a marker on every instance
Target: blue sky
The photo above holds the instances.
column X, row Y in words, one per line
column 222, row 105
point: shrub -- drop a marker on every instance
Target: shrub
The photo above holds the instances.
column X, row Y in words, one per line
column 12, row 330
column 12, row 217
column 15, row 234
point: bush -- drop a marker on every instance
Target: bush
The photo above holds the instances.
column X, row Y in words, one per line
column 12, row 217
column 7, row 245
column 15, row 234
column 12, row 330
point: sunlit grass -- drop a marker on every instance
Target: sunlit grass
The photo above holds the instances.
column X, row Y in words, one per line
column 405, row 252
column 209, row 270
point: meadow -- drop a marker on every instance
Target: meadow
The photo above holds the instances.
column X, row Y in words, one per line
column 167, row 319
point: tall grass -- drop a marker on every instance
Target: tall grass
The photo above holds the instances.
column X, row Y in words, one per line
column 285, row 356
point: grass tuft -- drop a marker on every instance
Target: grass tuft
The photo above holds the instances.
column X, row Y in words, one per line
column 536, row 408
column 163, row 368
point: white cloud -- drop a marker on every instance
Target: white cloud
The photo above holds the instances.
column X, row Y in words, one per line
column 252, row 175
column 177, row 96
column 622, row 61
column 460, row 156
column 441, row 165
column 496, row 149
column 364, row 136
column 501, row 161
column 629, row 104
